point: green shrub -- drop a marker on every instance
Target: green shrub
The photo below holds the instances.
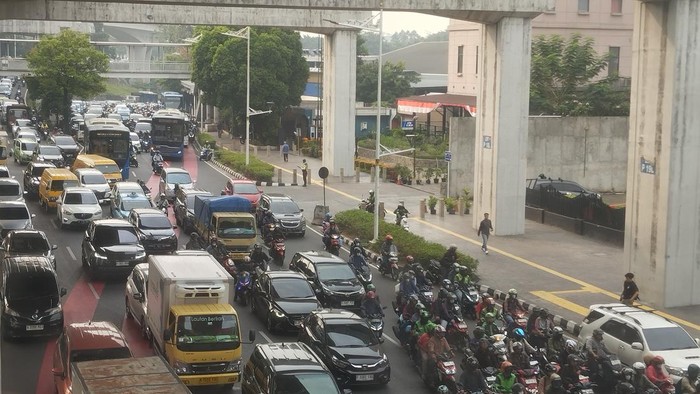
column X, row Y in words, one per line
column 206, row 138
column 257, row 170
column 358, row 223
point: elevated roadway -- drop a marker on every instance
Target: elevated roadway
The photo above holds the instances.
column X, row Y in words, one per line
column 164, row 70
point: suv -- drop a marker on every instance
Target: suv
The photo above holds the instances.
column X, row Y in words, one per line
column 154, row 229
column 289, row 368
column 32, row 177
column 633, row 334
column 171, row 177
column 95, row 181
column 282, row 299
column 111, row 245
column 183, row 207
column 285, row 211
column 332, row 279
column 567, row 188
column 28, row 243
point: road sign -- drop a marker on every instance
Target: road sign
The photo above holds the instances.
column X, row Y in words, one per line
column 448, row 155
column 323, row 172
column 408, row 124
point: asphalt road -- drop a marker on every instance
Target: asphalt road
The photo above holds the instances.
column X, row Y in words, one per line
column 26, row 364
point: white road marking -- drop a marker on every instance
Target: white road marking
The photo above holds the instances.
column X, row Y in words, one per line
column 70, row 252
column 92, row 289
column 134, row 174
column 53, row 223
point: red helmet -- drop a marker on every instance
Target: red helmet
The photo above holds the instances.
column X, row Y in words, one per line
column 389, row 237
column 505, row 365
column 371, row 295
column 658, row 360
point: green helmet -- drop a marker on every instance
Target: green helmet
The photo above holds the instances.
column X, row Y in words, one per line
column 424, row 314
column 371, row 287
column 490, row 316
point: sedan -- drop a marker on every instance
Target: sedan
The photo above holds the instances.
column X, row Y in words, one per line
column 135, row 296
column 77, row 206
column 10, row 190
column 48, row 153
column 348, row 346
column 121, row 204
column 154, row 229
column 282, row 299
column 244, row 188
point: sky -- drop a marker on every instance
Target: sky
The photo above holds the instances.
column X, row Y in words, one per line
column 423, row 24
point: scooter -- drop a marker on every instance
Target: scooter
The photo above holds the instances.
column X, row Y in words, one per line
column 157, row 167
column 376, row 323
column 163, row 205
column 457, row 332
column 277, row 250
column 498, row 344
column 243, row 286
column 333, row 245
column 470, row 298
column 206, row 154
column 446, row 374
column 528, row 377
column 390, row 267
column 402, row 220
column 434, row 271
column 133, row 162
column 364, row 275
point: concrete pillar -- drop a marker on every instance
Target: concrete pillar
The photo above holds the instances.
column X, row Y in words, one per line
column 216, row 115
column 357, row 175
column 294, row 177
column 279, row 175
column 662, row 237
column 342, row 175
column 372, row 174
column 339, row 57
column 421, row 209
column 501, row 125
column 441, row 207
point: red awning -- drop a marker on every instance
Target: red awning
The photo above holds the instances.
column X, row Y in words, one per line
column 429, row 102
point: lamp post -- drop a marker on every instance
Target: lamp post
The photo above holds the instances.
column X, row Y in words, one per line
column 245, row 34
column 411, row 139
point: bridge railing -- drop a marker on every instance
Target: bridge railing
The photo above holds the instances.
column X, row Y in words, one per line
column 154, row 66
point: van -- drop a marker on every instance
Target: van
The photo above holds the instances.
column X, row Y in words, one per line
column 52, row 183
column 106, row 166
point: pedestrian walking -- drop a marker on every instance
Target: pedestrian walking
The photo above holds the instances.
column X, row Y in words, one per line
column 485, row 228
column 304, row 170
column 285, row 151
column 630, row 291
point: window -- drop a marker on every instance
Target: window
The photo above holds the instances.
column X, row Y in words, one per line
column 583, row 6
column 460, row 58
column 616, row 7
column 614, row 61
column 476, row 62
column 614, row 329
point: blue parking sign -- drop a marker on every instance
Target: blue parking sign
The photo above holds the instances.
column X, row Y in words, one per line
column 448, row 155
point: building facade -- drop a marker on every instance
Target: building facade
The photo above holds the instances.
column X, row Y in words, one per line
column 608, row 22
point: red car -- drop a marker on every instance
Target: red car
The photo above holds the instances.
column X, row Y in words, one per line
column 86, row 342
column 243, row 188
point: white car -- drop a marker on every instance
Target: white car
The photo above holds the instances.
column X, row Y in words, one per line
column 5, row 172
column 633, row 334
column 135, row 296
column 172, row 176
column 28, row 134
column 10, row 190
column 135, row 142
column 126, row 188
column 77, row 206
column 95, row 181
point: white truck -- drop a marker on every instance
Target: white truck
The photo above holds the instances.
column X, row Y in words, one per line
column 126, row 375
column 191, row 319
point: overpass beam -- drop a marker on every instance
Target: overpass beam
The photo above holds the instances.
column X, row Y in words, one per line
column 662, row 234
column 501, row 125
column 339, row 63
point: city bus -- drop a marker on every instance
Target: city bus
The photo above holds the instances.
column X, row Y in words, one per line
column 171, row 100
column 168, row 133
column 147, row 97
column 109, row 138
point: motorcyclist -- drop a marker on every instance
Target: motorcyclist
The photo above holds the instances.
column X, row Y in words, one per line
column 640, row 381
column 481, row 305
column 357, row 244
column 275, row 234
column 259, row 258
column 518, row 336
column 386, row 249
column 461, row 280
column 656, row 372
column 556, row 343
column 541, row 329
column 436, row 346
column 422, row 326
column 557, row 386
column 448, row 259
column 330, row 231
column 477, row 334
column 357, row 260
column 596, row 351
column 505, row 379
column 446, row 310
column 625, row 388
column 511, row 306
column 689, row 384
column 421, row 279
column 626, row 375
column 213, row 247
column 490, row 307
column 162, row 202
column 370, row 305
column 400, row 213
column 472, row 379
column 570, row 372
column 518, row 357
column 570, row 348
column 156, row 158
column 370, row 202
column 266, row 218
column 453, row 271
column 407, row 287
column 490, row 328
column 195, row 242
column 546, row 380
column 326, row 221
column 485, row 354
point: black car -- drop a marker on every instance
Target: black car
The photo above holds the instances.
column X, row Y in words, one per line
column 69, row 148
column 282, row 299
column 154, row 229
column 285, row 211
column 111, row 246
column 32, row 177
column 348, row 346
column 183, row 207
column 28, row 243
column 31, row 299
column 334, row 282
column 567, row 188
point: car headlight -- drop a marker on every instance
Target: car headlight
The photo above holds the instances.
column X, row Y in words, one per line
column 55, row 313
column 67, row 211
column 179, row 152
column 675, row 371
column 141, row 255
column 11, row 312
column 39, row 158
column 108, row 194
column 182, row 368
column 326, row 290
column 100, row 257
column 53, row 199
column 339, row 363
column 233, row 366
column 278, row 313
column 385, row 360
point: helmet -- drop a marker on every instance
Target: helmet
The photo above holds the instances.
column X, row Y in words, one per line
column 332, row 221
column 371, row 295
column 517, row 347
column 246, row 259
column 472, row 363
column 463, row 268
column 490, row 301
column 549, row 367
column 478, row 332
column 517, row 389
column 212, row 240
column 412, row 297
column 506, row 365
column 639, row 366
column 557, row 332
column 693, row 370
column 409, row 259
column 453, row 247
column 443, row 389
column 389, row 237
column 573, row 359
column 625, row 388
column 443, row 293
column 162, row 195
column 424, row 314
column 406, row 275
column 490, row 316
column 513, row 292
column 411, row 273
column 628, row 373
column 420, row 306
column 421, row 270
column 658, row 360
column 356, row 251
column 446, row 284
column 571, row 345
column 485, row 295
column 519, row 333
column 456, row 265
column 401, row 202
column 556, row 381
column 439, row 329
column 257, row 247
column 371, row 192
column 597, row 332
column 356, row 241
column 544, row 312
column 371, row 287
column 555, row 377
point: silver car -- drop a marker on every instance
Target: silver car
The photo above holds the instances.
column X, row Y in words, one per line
column 135, row 297
column 170, row 177
column 14, row 215
column 10, row 190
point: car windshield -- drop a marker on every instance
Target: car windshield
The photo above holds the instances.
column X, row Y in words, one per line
column 94, row 179
column 284, row 207
column 335, row 272
column 179, row 177
column 567, row 187
column 37, row 171
column 142, row 127
column 207, row 332
column 107, row 168
column 304, row 383
column 9, row 189
column 154, row 222
column 32, row 285
column 64, row 140
column 110, row 236
column 668, row 338
column 236, row 228
column 14, row 213
column 50, row 150
column 28, row 146
column 245, row 188
column 128, row 205
column 77, row 356
column 349, row 334
column 80, row 198
column 29, row 243
column 288, row 288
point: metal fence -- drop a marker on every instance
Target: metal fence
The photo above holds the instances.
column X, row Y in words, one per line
column 587, row 208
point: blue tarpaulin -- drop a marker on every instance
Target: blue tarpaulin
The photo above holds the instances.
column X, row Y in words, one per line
column 205, row 206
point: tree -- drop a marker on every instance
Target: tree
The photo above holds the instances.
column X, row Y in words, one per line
column 63, row 66
column 396, row 81
column 563, row 79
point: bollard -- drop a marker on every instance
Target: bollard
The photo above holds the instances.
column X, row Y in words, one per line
column 255, row 150
column 294, row 177
column 357, row 175
column 308, row 177
column 441, row 208
column 279, row 175
column 421, row 208
column 268, row 150
column 460, row 206
column 342, row 175
column 384, row 172
column 372, row 173
column 381, row 210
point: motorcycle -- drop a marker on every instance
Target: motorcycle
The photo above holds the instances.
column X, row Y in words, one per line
column 583, row 386
column 243, row 286
column 190, row 137
column 157, row 167
column 242, row 140
column 366, row 206
column 490, row 377
column 376, row 323
column 133, row 162
column 390, row 267
column 528, row 377
column 145, row 188
column 277, row 250
column 470, row 298
column 434, row 271
column 519, row 321
column 425, row 295
column 163, row 205
column 445, row 374
column 499, row 348
column 221, row 254
column 364, row 275
column 333, row 244
column 402, row 220
column 457, row 333
column 206, row 154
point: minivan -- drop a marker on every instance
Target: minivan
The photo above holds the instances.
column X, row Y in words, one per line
column 106, row 166
column 52, row 183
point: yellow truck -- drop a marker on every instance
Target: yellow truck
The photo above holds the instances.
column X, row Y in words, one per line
column 191, row 320
column 227, row 218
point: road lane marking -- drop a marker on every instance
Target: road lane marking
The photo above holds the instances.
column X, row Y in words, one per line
column 134, row 174
column 94, row 292
column 581, row 290
column 262, row 334
column 561, row 302
column 53, row 223
column 70, row 252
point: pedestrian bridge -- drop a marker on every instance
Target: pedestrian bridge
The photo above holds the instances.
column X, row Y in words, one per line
column 117, row 69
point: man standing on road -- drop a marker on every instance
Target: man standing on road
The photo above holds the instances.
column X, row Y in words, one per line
column 304, row 170
column 285, row 151
column 484, row 230
column 630, row 291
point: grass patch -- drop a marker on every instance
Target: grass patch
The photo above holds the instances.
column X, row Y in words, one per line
column 257, row 170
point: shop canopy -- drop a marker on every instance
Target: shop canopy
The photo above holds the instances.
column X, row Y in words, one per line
column 430, row 102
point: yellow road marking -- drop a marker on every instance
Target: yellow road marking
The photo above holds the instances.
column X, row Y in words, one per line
column 559, row 301
column 582, row 290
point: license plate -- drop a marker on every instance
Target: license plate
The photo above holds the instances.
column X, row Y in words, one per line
column 122, row 263
column 587, row 391
column 530, row 381
column 615, row 362
column 208, row 380
column 491, row 379
column 35, row 327
column 365, row 378
column 347, row 303
column 297, row 323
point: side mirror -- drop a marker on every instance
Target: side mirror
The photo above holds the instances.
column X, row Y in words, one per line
column 301, row 209
column 637, row 346
column 33, row 215
column 697, row 341
column 167, row 334
column 174, row 226
column 138, row 296
column 54, row 247
column 63, row 291
column 251, row 336
column 58, row 372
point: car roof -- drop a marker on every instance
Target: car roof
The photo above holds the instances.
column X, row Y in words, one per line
column 95, row 335
column 194, row 191
column 148, row 212
column 9, row 180
column 240, row 181
column 291, row 356
column 26, row 264
column 277, row 196
column 13, row 204
column 77, row 189
column 644, row 319
column 123, row 184
column 112, row 223
column 133, row 196
column 16, row 233
column 336, row 314
column 175, row 169
column 41, row 164
column 142, row 267
column 321, row 257
column 285, row 274
column 90, row 171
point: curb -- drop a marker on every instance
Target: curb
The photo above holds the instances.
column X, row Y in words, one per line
column 240, row 176
column 261, row 183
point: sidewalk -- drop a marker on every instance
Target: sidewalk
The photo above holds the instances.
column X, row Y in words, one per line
column 551, row 268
